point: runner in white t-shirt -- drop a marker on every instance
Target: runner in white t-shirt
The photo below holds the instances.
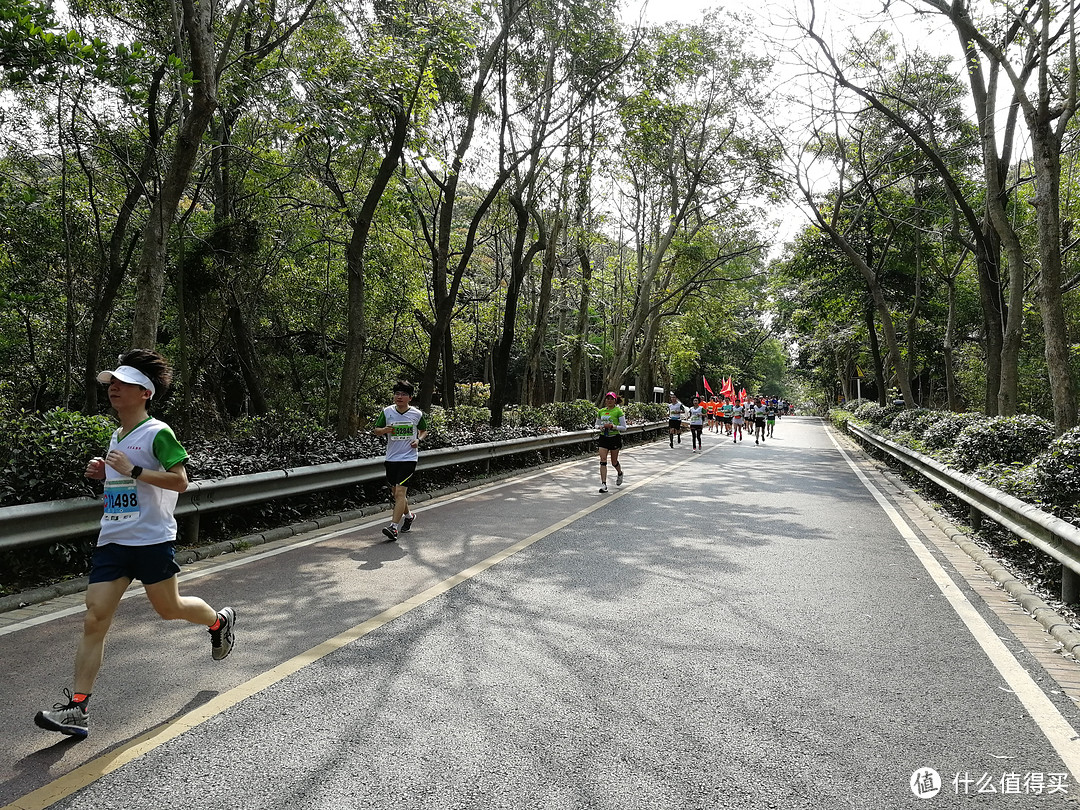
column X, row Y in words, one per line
column 143, row 473
column 404, row 426
column 675, row 416
column 697, row 423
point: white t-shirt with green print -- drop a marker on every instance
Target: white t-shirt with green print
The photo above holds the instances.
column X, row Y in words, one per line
column 406, row 427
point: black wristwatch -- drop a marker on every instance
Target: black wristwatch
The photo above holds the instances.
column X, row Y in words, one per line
column 136, row 471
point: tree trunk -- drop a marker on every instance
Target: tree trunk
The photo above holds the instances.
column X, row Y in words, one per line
column 875, row 353
column 150, row 273
column 951, row 391
column 246, row 354
column 348, row 421
column 520, row 262
column 1047, row 161
column 535, row 352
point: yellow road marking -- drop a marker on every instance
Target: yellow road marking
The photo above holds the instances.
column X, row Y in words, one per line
column 91, row 771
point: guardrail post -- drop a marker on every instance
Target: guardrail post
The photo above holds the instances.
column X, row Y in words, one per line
column 1070, row 586
column 975, row 517
column 191, row 528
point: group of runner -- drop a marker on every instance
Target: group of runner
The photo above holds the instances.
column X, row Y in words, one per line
column 758, row 414
column 144, row 472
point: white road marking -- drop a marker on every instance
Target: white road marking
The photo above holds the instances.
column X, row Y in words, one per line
column 1061, row 735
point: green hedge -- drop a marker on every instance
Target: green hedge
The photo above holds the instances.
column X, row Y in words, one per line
column 1016, row 454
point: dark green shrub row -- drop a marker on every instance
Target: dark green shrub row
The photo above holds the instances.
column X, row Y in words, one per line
column 1017, row 454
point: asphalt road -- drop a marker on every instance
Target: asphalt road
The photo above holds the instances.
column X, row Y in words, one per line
column 741, row 628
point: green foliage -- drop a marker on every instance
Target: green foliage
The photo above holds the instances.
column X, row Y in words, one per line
column 946, row 426
column 913, row 421
column 1001, row 440
column 577, row 415
column 870, row 412
column 840, row 418
column 1018, row 480
column 638, row 412
column 43, row 456
column 1057, row 472
column 468, row 416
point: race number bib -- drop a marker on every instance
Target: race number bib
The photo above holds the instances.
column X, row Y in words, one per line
column 403, row 431
column 121, row 499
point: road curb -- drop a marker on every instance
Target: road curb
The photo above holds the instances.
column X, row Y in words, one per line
column 1053, row 622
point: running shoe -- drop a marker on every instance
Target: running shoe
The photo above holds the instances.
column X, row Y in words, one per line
column 603, row 487
column 680, row 440
column 391, row 533
column 222, row 639
column 406, row 524
column 618, row 479
column 68, row 718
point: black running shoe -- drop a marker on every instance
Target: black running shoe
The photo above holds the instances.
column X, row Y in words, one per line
column 406, row 524
column 391, row 533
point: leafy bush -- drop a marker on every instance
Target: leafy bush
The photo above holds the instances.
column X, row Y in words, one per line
column 913, row 421
column 637, row 412
column 945, row 426
column 43, row 455
column 869, row 412
column 468, row 416
column 889, row 413
column 1002, row 440
column 527, row 416
column 1057, row 471
column 1017, row 480
column 577, row 415
column 472, row 394
column 840, row 418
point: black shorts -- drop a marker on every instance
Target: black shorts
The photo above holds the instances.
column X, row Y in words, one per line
column 674, row 423
column 726, row 420
column 399, row 473
column 148, row 564
column 610, row 442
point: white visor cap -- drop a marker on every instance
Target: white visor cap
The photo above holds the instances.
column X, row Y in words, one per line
column 128, row 374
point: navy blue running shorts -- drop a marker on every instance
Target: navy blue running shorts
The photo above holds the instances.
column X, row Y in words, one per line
column 148, row 564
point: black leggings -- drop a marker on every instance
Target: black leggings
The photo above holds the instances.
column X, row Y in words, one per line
column 695, row 434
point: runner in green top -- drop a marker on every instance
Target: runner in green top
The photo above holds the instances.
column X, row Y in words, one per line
column 611, row 422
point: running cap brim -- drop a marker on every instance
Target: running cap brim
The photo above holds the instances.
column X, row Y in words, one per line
column 610, row 394
column 128, row 374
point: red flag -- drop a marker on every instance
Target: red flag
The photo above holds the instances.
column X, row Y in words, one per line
column 707, row 386
column 726, row 390
column 742, row 396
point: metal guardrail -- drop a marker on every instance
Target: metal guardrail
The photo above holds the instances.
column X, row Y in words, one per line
column 1051, row 535
column 38, row 524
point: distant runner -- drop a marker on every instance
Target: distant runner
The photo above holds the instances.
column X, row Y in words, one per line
column 737, row 413
column 727, row 411
column 759, row 421
column 405, row 427
column 611, row 422
column 675, row 416
column 697, row 422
